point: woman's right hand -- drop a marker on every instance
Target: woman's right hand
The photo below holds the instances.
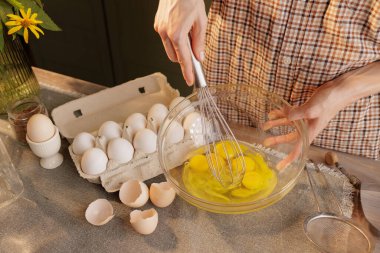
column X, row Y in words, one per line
column 174, row 21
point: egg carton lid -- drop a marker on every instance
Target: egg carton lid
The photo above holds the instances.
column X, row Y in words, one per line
column 86, row 114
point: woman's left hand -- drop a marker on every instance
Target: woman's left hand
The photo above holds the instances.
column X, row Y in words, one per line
column 322, row 106
column 327, row 100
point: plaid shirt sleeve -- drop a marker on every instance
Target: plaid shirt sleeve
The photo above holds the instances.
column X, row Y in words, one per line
column 292, row 47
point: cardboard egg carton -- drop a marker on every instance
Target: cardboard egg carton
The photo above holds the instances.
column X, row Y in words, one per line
column 86, row 114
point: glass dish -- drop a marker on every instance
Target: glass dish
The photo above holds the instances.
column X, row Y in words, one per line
column 246, row 109
column 11, row 185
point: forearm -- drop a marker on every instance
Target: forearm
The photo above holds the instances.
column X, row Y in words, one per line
column 356, row 84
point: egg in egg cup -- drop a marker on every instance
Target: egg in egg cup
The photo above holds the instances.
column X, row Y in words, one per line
column 48, row 150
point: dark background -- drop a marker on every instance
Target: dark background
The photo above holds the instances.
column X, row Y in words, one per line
column 107, row 42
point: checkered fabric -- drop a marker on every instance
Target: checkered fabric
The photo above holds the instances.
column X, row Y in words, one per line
column 290, row 47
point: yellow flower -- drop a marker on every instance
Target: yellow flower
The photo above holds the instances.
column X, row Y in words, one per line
column 26, row 21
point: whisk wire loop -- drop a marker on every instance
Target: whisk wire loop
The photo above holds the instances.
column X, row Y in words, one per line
column 217, row 133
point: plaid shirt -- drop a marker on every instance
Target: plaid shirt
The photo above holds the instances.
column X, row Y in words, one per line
column 290, row 47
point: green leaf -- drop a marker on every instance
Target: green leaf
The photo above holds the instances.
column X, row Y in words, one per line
column 47, row 22
column 1, row 37
column 16, row 4
column 39, row 3
column 5, row 9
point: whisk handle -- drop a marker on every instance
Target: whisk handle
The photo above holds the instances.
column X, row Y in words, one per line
column 200, row 80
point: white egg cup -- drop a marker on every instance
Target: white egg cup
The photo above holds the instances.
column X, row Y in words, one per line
column 48, row 151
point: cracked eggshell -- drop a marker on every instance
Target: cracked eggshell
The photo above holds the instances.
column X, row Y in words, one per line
column 145, row 141
column 134, row 193
column 99, row 212
column 94, row 161
column 157, row 114
column 175, row 132
column 134, row 123
column 144, row 222
column 110, row 130
column 82, row 142
column 120, row 150
column 161, row 194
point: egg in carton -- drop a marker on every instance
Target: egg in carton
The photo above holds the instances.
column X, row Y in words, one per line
column 108, row 157
column 94, row 153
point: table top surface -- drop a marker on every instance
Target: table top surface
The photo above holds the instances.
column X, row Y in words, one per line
column 178, row 223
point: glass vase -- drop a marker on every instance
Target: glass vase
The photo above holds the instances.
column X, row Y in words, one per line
column 17, row 79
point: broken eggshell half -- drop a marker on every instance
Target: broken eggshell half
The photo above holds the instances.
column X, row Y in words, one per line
column 144, row 222
column 161, row 194
column 99, row 212
column 134, row 193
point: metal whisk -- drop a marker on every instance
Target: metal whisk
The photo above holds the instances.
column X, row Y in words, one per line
column 223, row 152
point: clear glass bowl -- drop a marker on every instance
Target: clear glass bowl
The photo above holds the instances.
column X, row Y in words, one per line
column 246, row 109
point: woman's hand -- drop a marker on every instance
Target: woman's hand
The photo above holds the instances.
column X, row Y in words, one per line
column 174, row 21
column 322, row 106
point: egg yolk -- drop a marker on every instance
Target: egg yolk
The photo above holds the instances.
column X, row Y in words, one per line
column 198, row 163
column 228, row 149
column 258, row 179
column 243, row 162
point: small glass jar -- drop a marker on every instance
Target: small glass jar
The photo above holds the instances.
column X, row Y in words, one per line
column 20, row 112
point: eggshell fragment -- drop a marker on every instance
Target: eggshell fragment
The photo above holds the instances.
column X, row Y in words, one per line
column 144, row 222
column 94, row 161
column 40, row 128
column 82, row 142
column 132, row 124
column 134, row 193
column 161, row 194
column 120, row 150
column 110, row 130
column 99, row 212
column 145, row 141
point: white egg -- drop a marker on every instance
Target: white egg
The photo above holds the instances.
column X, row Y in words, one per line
column 145, row 141
column 193, row 120
column 144, row 222
column 83, row 142
column 161, row 194
column 94, row 161
column 175, row 132
column 175, row 102
column 110, row 130
column 134, row 193
column 99, row 212
column 157, row 113
column 186, row 106
column 120, row 150
column 132, row 124
column 40, row 128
